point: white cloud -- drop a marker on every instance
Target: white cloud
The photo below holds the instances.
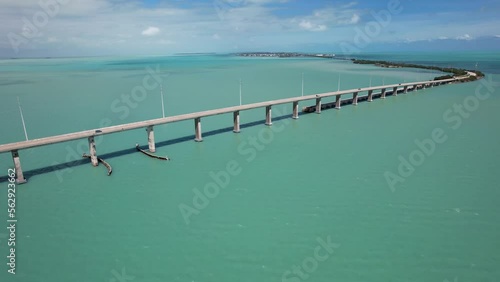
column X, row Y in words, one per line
column 96, row 26
column 350, row 4
column 264, row 1
column 249, row 2
column 410, row 40
column 151, row 31
column 464, row 37
column 307, row 25
column 321, row 19
column 353, row 20
column 442, row 37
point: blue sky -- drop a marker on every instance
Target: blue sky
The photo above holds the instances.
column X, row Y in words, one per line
column 163, row 27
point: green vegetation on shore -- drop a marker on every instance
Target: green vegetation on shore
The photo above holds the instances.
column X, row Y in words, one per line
column 454, row 72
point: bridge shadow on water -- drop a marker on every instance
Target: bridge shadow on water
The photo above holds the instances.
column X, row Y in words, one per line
column 84, row 161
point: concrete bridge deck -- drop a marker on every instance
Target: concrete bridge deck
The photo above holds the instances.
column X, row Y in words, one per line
column 142, row 124
column 149, row 124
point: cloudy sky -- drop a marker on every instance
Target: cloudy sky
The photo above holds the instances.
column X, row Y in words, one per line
column 163, row 27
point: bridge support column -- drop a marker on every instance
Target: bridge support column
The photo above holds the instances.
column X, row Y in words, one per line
column 318, row 105
column 370, row 95
column 355, row 98
column 236, row 120
column 269, row 119
column 295, row 110
column 405, row 90
column 337, row 102
column 19, row 171
column 151, row 138
column 197, row 130
column 395, row 91
column 383, row 94
column 92, row 151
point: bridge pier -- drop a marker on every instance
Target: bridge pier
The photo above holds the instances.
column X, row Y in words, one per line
column 370, row 95
column 295, row 110
column 236, row 120
column 318, row 105
column 337, row 102
column 355, row 98
column 197, row 130
column 151, row 138
column 383, row 94
column 19, row 171
column 395, row 91
column 405, row 90
column 269, row 121
column 92, row 151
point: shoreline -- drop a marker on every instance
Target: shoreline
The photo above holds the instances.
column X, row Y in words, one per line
column 471, row 75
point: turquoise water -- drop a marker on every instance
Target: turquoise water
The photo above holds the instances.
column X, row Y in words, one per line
column 318, row 177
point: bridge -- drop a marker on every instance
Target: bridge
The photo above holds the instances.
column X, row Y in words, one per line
column 394, row 89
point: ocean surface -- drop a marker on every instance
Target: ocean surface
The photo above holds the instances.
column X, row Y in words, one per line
column 319, row 198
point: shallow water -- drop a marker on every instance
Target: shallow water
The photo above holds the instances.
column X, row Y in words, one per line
column 316, row 177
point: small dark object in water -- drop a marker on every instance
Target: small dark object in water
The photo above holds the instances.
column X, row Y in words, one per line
column 151, row 155
column 107, row 165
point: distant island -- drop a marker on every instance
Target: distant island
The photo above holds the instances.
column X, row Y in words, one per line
column 285, row 55
column 454, row 72
column 471, row 74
